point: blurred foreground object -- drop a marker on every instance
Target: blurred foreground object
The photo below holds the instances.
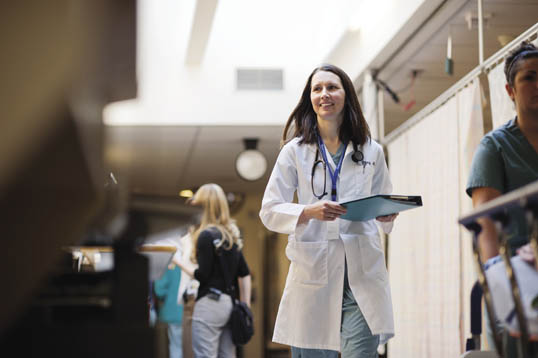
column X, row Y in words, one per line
column 62, row 61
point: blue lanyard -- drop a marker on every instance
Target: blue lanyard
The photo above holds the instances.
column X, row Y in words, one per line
column 334, row 176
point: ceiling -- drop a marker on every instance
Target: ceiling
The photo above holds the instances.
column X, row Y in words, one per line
column 161, row 160
column 428, row 51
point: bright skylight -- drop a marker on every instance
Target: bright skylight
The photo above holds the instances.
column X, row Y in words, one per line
column 293, row 36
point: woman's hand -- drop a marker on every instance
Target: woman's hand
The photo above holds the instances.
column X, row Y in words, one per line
column 386, row 218
column 526, row 253
column 323, row 210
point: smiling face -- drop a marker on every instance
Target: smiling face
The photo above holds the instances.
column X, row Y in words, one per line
column 524, row 92
column 327, row 96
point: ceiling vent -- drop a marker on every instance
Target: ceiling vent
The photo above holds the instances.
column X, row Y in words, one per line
column 472, row 19
column 260, row 79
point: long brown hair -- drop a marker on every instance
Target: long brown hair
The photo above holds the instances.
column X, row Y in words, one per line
column 216, row 214
column 303, row 120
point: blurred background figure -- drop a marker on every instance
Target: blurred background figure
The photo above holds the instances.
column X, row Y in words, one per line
column 217, row 246
column 188, row 289
column 169, row 310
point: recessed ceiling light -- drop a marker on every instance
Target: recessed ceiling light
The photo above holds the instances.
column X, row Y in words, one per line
column 186, row 193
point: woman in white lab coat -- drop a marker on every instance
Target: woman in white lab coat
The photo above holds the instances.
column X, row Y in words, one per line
column 337, row 296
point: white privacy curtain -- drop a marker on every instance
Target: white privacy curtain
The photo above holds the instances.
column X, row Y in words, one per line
column 471, row 131
column 502, row 108
column 429, row 258
column 369, row 105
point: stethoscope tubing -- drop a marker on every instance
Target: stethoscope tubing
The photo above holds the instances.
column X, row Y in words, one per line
column 357, row 157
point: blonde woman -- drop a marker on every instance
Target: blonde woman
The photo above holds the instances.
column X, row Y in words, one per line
column 217, row 235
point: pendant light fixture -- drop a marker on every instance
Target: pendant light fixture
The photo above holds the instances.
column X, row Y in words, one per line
column 250, row 164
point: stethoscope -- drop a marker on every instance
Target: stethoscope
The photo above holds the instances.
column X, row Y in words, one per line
column 357, row 157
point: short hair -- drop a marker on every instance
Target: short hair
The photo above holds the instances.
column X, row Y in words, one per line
column 303, row 119
column 512, row 63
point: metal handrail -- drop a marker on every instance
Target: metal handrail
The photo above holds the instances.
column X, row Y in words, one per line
column 497, row 210
column 519, row 197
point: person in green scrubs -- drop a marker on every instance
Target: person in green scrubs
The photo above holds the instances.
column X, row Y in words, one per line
column 507, row 157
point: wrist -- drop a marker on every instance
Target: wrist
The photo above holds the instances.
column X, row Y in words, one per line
column 305, row 216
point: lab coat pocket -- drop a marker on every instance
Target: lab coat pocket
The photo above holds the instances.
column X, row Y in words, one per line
column 308, row 262
column 372, row 257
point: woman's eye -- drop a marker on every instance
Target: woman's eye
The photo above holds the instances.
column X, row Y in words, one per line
column 529, row 77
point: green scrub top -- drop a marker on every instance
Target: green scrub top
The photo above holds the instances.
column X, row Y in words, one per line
column 505, row 160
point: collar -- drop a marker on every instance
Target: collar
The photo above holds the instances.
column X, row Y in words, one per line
column 349, row 149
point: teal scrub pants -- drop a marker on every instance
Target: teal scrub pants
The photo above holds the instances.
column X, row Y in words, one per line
column 357, row 341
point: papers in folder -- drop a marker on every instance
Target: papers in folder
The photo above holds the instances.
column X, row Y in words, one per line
column 379, row 205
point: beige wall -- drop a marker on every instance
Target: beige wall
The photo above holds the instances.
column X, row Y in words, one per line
column 254, row 235
column 261, row 256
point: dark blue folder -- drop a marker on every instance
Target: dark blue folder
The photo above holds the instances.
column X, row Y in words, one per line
column 379, row 205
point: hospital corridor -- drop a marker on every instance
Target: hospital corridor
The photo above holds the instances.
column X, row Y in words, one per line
column 269, row 179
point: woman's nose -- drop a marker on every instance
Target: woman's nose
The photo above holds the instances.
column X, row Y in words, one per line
column 324, row 93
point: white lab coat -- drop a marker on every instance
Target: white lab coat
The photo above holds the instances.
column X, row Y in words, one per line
column 310, row 310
